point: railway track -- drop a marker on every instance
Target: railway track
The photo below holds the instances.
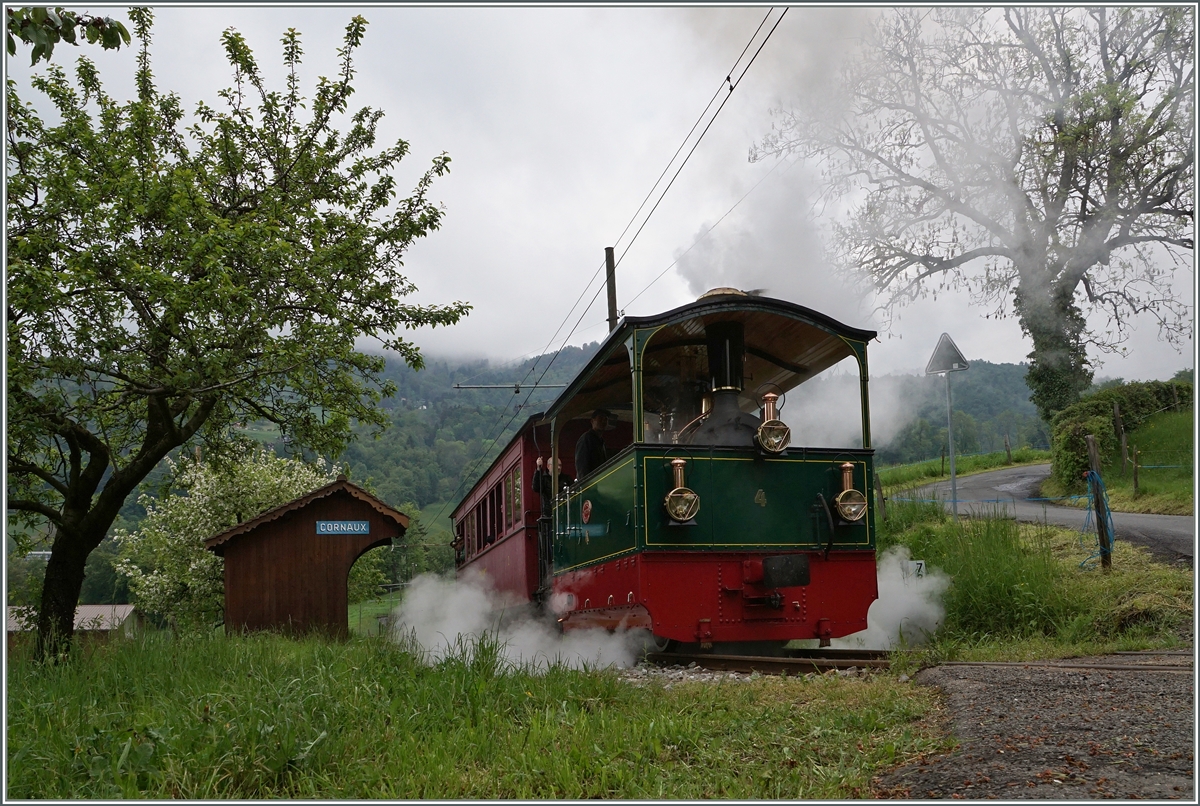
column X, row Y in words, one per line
column 807, row 661
column 798, row 663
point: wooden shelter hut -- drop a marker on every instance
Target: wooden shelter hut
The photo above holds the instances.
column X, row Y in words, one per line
column 287, row 569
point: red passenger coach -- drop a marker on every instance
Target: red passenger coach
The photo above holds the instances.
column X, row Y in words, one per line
column 700, row 521
column 496, row 525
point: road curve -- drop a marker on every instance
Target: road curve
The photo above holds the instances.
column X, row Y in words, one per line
column 1013, row 492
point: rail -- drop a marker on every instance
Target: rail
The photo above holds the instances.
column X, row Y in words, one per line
column 807, row 661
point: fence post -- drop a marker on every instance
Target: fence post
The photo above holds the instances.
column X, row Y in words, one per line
column 943, row 461
column 1120, row 435
column 1008, row 449
column 1098, row 502
column 1175, row 394
column 880, row 498
column 1135, row 464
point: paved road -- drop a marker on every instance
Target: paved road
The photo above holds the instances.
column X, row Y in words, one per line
column 1170, row 537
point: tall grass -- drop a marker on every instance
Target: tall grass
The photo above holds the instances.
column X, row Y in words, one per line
column 266, row 717
column 934, row 469
column 1013, row 584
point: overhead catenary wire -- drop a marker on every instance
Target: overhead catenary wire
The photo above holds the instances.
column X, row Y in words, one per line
column 686, row 137
column 732, row 85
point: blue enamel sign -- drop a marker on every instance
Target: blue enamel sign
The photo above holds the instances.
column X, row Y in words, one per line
column 343, row 527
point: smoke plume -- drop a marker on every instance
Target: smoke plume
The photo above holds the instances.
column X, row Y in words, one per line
column 445, row 615
column 909, row 608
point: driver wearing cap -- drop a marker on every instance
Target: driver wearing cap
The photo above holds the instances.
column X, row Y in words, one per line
column 590, row 450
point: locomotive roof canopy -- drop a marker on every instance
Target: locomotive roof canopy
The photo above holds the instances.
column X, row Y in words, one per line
column 785, row 345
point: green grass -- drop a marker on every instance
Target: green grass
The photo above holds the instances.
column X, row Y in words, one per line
column 363, row 615
column 265, row 716
column 1022, row 591
column 918, row 473
column 1166, row 439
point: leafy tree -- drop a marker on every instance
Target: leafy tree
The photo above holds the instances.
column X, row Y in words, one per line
column 367, row 574
column 1043, row 155
column 44, row 27
column 165, row 284
column 169, row 571
column 1184, row 376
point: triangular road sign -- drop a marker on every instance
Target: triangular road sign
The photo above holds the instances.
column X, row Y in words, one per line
column 946, row 358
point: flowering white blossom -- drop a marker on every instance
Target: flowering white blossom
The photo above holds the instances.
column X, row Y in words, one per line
column 170, row 572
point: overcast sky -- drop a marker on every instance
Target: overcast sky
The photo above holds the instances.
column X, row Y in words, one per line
column 558, row 121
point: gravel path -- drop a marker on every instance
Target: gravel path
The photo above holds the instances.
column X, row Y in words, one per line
column 1059, row 733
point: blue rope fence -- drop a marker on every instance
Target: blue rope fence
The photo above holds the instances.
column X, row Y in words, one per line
column 1095, row 482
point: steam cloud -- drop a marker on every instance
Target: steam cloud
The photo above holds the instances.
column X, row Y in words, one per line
column 443, row 615
column 909, row 608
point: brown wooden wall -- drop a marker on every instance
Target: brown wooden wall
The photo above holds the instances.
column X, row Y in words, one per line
column 283, row 575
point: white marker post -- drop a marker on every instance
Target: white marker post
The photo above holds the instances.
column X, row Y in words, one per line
column 946, row 358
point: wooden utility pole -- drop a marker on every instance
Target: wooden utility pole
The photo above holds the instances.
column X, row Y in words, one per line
column 1008, row 449
column 1106, row 543
column 943, row 471
column 1175, row 393
column 611, row 273
column 880, row 498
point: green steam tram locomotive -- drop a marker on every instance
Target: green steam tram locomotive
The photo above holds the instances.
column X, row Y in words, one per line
column 704, row 523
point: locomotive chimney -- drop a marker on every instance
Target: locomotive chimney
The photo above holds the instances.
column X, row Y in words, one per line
column 724, row 422
column 726, row 348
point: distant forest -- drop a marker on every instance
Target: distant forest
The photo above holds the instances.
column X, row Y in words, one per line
column 441, row 438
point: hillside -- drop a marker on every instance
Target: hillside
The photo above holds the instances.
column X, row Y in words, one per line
column 441, row 438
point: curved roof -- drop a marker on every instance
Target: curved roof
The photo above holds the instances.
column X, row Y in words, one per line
column 719, row 306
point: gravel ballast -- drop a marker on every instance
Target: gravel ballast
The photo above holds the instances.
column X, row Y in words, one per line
column 1061, row 733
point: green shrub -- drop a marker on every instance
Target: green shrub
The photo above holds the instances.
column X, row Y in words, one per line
column 1094, row 415
column 1070, row 455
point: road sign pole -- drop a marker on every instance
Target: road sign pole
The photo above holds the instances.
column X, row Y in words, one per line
column 950, row 443
column 946, row 358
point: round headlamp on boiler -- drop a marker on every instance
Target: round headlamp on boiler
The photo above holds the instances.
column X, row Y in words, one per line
column 773, row 434
column 681, row 503
column 851, row 503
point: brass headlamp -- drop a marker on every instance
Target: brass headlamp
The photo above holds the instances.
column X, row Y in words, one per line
column 773, row 435
column 682, row 504
column 851, row 504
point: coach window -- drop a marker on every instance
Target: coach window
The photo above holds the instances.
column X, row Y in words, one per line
column 508, row 507
column 609, row 387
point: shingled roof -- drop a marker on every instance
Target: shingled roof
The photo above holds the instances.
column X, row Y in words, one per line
column 341, row 485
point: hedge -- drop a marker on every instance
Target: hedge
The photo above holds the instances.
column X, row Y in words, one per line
column 1095, row 416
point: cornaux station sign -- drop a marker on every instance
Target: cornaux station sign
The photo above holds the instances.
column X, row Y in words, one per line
column 343, row 527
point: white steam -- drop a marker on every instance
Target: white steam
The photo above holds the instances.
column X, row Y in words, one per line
column 446, row 616
column 772, row 242
column 909, row 608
